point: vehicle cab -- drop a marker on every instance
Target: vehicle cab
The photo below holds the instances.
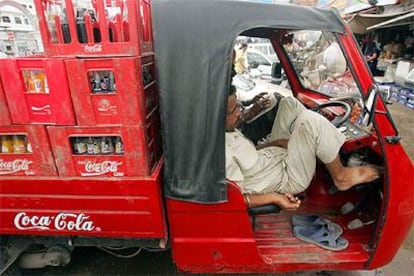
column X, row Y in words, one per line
column 326, row 72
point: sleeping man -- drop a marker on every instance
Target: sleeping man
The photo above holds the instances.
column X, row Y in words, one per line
column 272, row 173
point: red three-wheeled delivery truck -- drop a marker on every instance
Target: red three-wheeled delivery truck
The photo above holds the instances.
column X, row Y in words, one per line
column 115, row 138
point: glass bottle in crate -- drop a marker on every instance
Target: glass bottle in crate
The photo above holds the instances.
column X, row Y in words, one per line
column 19, row 144
column 6, row 144
column 37, row 80
column 112, row 87
column 65, row 26
column 105, row 84
column 89, row 146
column 79, row 146
column 96, row 83
column 106, row 146
column 43, row 81
column 80, row 25
column 119, row 146
column 31, row 82
column 26, row 79
column 96, row 146
column 52, row 10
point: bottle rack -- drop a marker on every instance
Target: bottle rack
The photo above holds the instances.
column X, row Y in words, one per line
column 95, row 27
column 130, row 156
column 113, row 90
column 25, row 151
column 92, row 99
column 37, row 91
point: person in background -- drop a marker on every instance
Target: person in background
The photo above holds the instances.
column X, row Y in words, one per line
column 290, row 45
column 240, row 60
column 371, row 55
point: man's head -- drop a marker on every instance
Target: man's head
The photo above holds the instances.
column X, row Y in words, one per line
column 233, row 110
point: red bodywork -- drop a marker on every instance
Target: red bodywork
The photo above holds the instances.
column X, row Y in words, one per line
column 215, row 237
column 130, row 207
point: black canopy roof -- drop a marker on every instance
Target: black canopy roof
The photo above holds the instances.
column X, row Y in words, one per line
column 193, row 45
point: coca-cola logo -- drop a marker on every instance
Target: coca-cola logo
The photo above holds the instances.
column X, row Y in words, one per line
column 60, row 222
column 10, row 167
column 93, row 48
column 92, row 168
column 42, row 110
column 104, row 106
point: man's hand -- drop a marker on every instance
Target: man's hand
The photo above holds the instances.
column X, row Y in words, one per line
column 259, row 97
column 285, row 201
column 259, row 104
column 255, row 99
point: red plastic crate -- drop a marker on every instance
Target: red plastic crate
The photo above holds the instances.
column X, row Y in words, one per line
column 25, row 151
column 112, row 91
column 72, row 159
column 95, row 28
column 37, row 91
column 4, row 110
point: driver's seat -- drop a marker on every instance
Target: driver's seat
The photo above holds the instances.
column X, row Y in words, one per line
column 262, row 210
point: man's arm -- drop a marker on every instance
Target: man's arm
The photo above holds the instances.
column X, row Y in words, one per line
column 372, row 57
column 258, row 103
column 283, row 143
column 284, row 201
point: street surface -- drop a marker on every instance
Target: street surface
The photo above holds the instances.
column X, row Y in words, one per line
column 92, row 261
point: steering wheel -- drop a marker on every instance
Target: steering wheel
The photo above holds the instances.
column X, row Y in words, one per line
column 338, row 120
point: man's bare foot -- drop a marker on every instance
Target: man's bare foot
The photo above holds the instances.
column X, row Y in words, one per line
column 351, row 176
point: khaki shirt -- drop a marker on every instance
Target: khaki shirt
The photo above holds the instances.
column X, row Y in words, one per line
column 255, row 171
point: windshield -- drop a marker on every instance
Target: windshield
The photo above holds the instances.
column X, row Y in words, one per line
column 320, row 63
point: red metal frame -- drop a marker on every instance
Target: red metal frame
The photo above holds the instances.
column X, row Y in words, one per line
column 4, row 109
column 128, row 36
column 39, row 106
column 90, row 207
column 39, row 162
column 397, row 211
column 130, row 104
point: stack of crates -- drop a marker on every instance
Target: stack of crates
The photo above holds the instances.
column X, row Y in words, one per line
column 90, row 106
column 403, row 95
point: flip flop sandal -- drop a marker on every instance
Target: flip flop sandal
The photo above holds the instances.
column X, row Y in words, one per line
column 316, row 220
column 320, row 236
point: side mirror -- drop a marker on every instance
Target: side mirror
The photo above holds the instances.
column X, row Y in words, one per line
column 276, row 70
column 276, row 73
